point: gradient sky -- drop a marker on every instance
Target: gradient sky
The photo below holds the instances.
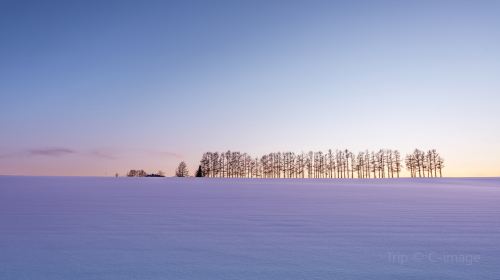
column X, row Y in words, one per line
column 98, row 87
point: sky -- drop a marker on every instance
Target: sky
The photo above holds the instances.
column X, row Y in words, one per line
column 91, row 88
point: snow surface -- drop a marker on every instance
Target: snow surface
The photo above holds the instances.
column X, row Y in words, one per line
column 190, row 228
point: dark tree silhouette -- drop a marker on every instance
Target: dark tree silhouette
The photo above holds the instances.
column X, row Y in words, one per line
column 199, row 172
column 137, row 173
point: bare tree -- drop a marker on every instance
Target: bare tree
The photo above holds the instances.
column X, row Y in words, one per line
column 373, row 162
column 309, row 164
column 440, row 165
column 397, row 162
column 182, row 170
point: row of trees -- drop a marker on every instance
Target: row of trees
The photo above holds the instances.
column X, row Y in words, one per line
column 424, row 164
column 136, row 173
column 142, row 173
column 384, row 163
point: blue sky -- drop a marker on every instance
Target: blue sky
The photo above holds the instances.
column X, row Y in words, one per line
column 97, row 87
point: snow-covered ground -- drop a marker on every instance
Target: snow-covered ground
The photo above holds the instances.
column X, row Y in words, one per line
column 188, row 228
